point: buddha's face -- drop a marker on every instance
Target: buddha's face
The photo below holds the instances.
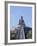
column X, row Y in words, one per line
column 22, row 17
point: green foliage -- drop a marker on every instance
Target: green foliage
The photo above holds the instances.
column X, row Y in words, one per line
column 29, row 35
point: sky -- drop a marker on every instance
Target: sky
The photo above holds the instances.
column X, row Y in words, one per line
column 17, row 11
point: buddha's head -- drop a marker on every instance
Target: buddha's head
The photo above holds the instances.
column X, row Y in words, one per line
column 21, row 17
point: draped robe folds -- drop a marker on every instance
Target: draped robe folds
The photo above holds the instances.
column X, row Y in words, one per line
column 20, row 33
